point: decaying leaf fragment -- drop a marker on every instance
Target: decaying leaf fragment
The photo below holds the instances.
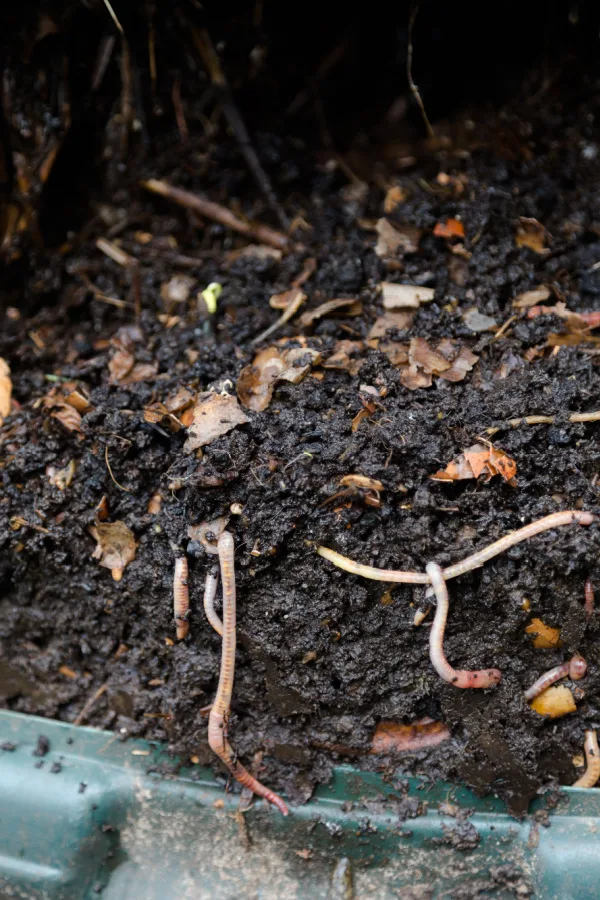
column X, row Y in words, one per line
column 404, row 296
column 479, row 460
column 61, row 478
column 116, row 546
column 347, row 307
column 5, row 389
column 257, row 381
column 122, row 365
column 345, row 357
column 449, row 360
column 214, row 415
column 451, row 228
column 395, row 240
column 399, row 320
column 390, row 737
column 532, row 298
column 532, row 234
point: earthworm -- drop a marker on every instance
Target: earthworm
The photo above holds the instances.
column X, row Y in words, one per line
column 592, row 758
column 471, row 562
column 220, row 710
column 575, row 669
column 210, row 591
column 589, row 599
column 181, row 597
column 461, row 678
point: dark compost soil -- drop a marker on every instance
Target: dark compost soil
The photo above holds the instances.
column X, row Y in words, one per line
column 323, row 655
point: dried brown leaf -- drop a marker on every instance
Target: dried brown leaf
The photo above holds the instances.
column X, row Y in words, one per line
column 396, row 239
column 78, row 401
column 462, row 363
column 478, row 321
column 116, row 546
column 214, row 415
column 208, row 533
column 414, row 378
column 404, row 296
column 341, row 358
column 180, row 400
column 68, row 417
column 5, row 389
column 399, row 320
column 120, row 364
column 257, row 381
column 422, row 355
column 394, row 196
column 396, row 353
column 61, row 478
column 350, row 307
column 533, row 297
column 477, row 460
column 361, row 482
column 532, row 234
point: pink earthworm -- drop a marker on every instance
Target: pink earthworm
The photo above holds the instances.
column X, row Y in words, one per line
column 555, row 520
column 592, row 758
column 575, row 669
column 220, row 709
column 589, row 599
column 461, row 678
column 210, row 592
column 181, row 597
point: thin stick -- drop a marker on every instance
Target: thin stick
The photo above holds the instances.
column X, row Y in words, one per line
column 181, row 597
column 592, row 758
column 575, row 669
column 220, row 709
column 110, row 471
column 555, row 520
column 409, row 56
column 87, row 708
column 574, row 418
column 210, row 592
column 236, row 122
column 113, row 16
column 211, row 210
column 460, row 678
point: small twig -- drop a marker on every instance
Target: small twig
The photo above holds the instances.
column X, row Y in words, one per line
column 87, row 708
column 179, row 111
column 219, row 713
column 592, row 758
column 503, row 329
column 575, row 669
column 574, row 418
column 460, row 678
column 211, row 210
column 236, row 122
column 409, row 57
column 181, row 597
column 116, row 254
column 113, row 15
column 110, row 471
column 290, row 311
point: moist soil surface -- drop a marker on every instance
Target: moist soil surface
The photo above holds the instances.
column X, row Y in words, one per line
column 323, row 656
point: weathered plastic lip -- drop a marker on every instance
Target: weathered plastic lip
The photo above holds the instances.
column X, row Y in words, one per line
column 59, row 840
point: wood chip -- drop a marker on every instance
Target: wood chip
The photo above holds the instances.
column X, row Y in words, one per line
column 533, row 297
column 404, row 296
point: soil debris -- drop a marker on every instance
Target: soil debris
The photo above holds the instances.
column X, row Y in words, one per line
column 213, row 416
column 116, row 546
